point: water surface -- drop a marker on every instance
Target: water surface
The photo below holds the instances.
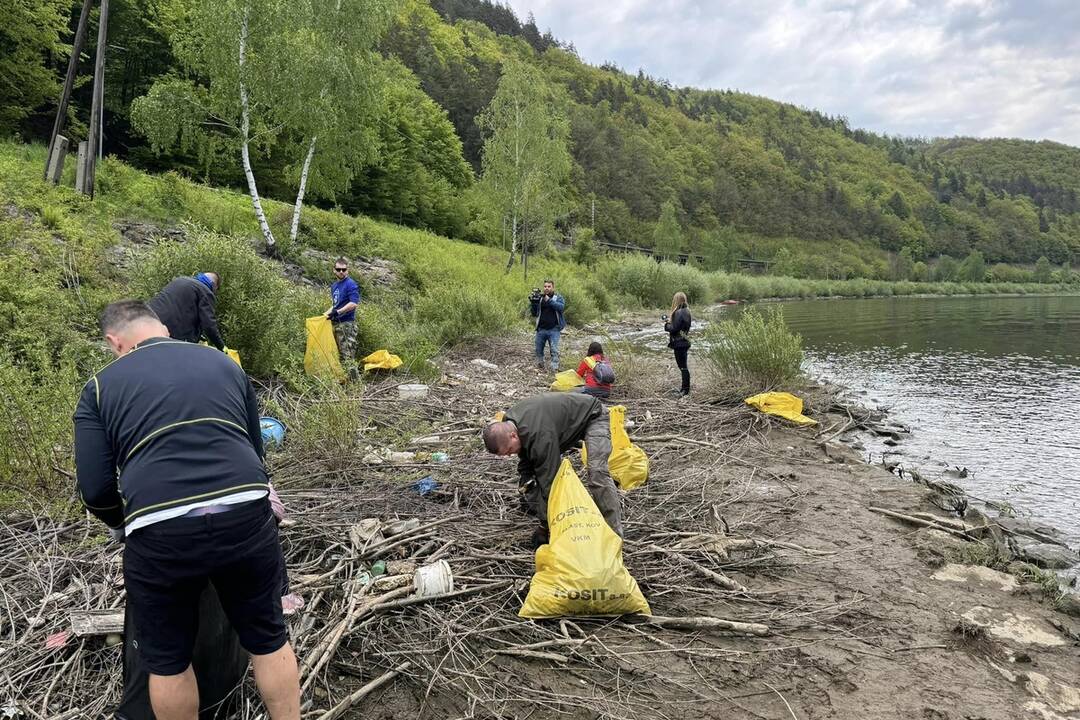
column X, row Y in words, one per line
column 991, row 384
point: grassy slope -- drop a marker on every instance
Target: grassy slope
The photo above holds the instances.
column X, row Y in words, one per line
column 58, row 268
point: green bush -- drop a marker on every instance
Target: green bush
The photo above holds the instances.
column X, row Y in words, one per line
column 673, row 278
column 35, row 410
column 755, row 350
column 632, row 276
column 600, row 296
column 456, row 313
column 581, row 308
column 261, row 314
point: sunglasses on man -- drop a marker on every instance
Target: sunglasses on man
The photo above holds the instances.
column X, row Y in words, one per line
column 341, row 269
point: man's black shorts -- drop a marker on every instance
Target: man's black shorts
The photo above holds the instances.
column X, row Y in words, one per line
column 167, row 564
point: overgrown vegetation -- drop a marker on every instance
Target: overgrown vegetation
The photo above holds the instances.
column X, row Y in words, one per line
column 258, row 309
column 62, row 258
column 723, row 175
column 753, row 352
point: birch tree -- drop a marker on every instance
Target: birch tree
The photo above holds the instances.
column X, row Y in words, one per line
column 526, row 162
column 269, row 74
column 338, row 57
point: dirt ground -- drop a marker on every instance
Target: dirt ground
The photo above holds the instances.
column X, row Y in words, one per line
column 870, row 623
column 866, row 617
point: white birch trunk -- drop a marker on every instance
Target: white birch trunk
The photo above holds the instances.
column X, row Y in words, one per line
column 300, row 193
column 245, row 129
column 513, row 243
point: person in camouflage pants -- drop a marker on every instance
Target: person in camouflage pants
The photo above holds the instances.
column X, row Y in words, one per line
column 345, row 296
column 345, row 336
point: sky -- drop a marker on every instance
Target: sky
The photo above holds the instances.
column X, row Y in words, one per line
column 924, row 68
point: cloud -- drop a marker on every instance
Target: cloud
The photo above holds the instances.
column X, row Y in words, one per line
column 986, row 68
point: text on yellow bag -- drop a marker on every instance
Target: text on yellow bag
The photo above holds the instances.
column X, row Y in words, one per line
column 580, row 571
column 321, row 356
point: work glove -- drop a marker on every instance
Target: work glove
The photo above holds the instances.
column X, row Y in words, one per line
column 276, row 506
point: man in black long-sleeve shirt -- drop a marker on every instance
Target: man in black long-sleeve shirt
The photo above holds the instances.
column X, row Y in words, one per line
column 168, row 452
column 539, row 430
column 186, row 307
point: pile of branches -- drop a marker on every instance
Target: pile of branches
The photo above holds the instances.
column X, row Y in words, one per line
column 700, row 540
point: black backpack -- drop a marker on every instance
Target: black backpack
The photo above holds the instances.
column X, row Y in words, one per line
column 603, row 372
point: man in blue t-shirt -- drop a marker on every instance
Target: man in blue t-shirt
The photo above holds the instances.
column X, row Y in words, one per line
column 345, row 296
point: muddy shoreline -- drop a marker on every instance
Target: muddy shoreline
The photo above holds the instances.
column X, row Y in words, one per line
column 869, row 615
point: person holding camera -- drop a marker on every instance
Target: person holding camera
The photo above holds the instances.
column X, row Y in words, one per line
column 547, row 307
column 678, row 329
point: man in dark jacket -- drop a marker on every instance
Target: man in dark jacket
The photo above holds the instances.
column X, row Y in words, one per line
column 539, row 430
column 186, row 307
column 547, row 307
column 168, row 452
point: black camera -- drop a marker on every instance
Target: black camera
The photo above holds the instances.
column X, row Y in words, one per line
column 535, row 295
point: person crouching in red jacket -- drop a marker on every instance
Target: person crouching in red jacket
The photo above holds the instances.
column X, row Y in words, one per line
column 594, row 355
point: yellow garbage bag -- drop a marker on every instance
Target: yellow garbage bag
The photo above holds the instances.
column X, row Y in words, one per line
column 781, row 404
column 580, row 571
column 627, row 463
column 381, row 360
column 567, row 380
column 233, row 355
column 321, row 356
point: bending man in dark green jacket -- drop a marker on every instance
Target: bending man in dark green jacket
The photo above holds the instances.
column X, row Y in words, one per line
column 539, row 430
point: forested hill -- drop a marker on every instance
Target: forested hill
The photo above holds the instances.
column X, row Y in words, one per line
column 739, row 168
column 719, row 173
column 1048, row 172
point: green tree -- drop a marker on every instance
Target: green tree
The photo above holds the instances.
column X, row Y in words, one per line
column 526, row 160
column 256, row 75
column 945, row 270
column 667, row 235
column 785, row 263
column 919, row 272
column 29, row 41
column 1043, row 270
column 584, row 251
column 973, row 268
column 898, row 206
column 718, row 247
column 903, row 265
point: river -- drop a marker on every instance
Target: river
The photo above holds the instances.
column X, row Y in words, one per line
column 990, row 384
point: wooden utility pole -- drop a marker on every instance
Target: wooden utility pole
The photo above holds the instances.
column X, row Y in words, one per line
column 65, row 97
column 93, row 141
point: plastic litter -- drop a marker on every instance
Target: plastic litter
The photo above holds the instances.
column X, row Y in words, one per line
column 412, row 391
column 425, row 486
column 272, row 431
column 434, row 579
column 321, row 355
column 381, row 360
column 781, row 404
column 484, row 364
column 291, row 603
column 567, row 380
column 440, row 457
column 57, row 640
column 400, row 526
